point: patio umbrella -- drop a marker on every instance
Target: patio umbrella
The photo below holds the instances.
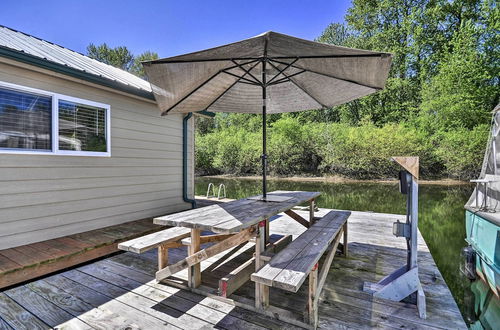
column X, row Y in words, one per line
column 269, row 73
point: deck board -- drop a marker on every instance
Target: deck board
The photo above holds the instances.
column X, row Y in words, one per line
column 29, row 261
column 121, row 292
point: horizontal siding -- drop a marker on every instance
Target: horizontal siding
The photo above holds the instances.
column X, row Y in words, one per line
column 48, row 196
column 68, row 229
column 35, row 186
column 81, row 194
column 21, row 161
column 73, row 212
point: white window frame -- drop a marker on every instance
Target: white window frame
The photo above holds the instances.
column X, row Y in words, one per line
column 55, row 124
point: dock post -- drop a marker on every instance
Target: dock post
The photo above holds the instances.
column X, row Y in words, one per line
column 404, row 281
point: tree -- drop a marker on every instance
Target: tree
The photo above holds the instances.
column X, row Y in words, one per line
column 335, row 34
column 398, row 27
column 464, row 91
column 137, row 67
column 119, row 57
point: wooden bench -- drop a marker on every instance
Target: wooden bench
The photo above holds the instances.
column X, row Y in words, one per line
column 163, row 240
column 289, row 268
column 167, row 239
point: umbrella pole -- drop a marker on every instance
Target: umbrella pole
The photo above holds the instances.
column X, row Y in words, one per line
column 264, row 132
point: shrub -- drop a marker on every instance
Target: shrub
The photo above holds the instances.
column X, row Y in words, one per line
column 462, row 150
column 297, row 148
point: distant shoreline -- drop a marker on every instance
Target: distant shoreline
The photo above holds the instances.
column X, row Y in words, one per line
column 333, row 179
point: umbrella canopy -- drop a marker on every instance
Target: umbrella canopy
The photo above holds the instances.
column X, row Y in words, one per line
column 269, row 73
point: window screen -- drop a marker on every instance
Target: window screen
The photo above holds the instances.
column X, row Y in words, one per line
column 25, row 120
column 81, row 127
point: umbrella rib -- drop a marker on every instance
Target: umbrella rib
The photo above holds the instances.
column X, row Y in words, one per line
column 283, row 70
column 201, row 85
column 227, row 89
column 282, row 80
column 301, row 88
column 248, row 81
column 330, row 76
column 247, row 71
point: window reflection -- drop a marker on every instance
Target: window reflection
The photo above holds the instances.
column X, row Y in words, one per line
column 81, row 127
column 25, row 120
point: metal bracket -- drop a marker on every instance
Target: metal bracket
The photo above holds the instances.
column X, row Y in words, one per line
column 401, row 229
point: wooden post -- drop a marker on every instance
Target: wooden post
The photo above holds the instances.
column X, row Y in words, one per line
column 311, row 212
column 162, row 256
column 344, row 247
column 261, row 290
column 194, row 272
column 312, row 304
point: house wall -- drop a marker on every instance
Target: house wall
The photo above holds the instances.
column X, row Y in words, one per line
column 48, row 196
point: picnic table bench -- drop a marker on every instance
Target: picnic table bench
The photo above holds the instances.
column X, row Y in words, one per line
column 163, row 240
column 289, row 268
column 284, row 264
column 233, row 223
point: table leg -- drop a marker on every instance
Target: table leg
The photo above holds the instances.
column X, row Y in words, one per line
column 312, row 304
column 311, row 212
column 261, row 291
column 194, row 272
column 162, row 257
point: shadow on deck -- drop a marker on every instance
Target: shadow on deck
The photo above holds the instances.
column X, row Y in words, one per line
column 120, row 291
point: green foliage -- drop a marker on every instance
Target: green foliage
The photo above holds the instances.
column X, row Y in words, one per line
column 365, row 151
column 462, row 94
column 119, row 57
column 230, row 150
column 336, row 34
column 137, row 67
column 461, row 151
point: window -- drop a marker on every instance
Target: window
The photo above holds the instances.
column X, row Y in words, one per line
column 25, row 121
column 40, row 122
column 81, row 127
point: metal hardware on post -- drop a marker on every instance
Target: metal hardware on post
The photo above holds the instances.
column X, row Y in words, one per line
column 401, row 229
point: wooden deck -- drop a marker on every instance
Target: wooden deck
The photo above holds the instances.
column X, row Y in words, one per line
column 30, row 261
column 120, row 291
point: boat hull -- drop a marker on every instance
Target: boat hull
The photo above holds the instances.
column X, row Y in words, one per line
column 484, row 237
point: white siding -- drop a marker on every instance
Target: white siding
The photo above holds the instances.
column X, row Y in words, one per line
column 48, row 196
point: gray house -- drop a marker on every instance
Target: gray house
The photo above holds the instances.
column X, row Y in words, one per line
column 82, row 145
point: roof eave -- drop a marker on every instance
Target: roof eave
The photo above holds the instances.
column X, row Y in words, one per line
column 60, row 68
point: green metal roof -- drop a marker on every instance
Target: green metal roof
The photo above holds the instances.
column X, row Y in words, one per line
column 31, row 50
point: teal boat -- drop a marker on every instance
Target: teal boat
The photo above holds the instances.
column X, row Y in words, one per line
column 482, row 221
column 485, row 307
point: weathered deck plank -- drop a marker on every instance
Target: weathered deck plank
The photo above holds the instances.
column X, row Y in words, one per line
column 120, row 291
column 17, row 316
column 26, row 262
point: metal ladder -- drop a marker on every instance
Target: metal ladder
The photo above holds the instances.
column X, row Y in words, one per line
column 222, row 187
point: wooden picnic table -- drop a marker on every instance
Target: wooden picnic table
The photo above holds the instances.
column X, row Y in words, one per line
column 234, row 223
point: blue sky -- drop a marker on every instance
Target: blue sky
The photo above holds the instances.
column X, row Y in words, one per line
column 167, row 27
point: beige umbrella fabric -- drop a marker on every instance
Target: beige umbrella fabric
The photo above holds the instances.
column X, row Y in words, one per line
column 269, row 73
column 300, row 75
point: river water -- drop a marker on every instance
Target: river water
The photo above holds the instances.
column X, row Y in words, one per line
column 441, row 214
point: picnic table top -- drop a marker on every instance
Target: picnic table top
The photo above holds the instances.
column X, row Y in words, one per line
column 236, row 215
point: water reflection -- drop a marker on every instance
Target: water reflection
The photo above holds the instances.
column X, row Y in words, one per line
column 441, row 209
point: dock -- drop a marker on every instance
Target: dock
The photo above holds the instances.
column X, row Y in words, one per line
column 120, row 290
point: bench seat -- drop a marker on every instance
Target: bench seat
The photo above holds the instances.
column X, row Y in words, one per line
column 288, row 269
column 154, row 240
